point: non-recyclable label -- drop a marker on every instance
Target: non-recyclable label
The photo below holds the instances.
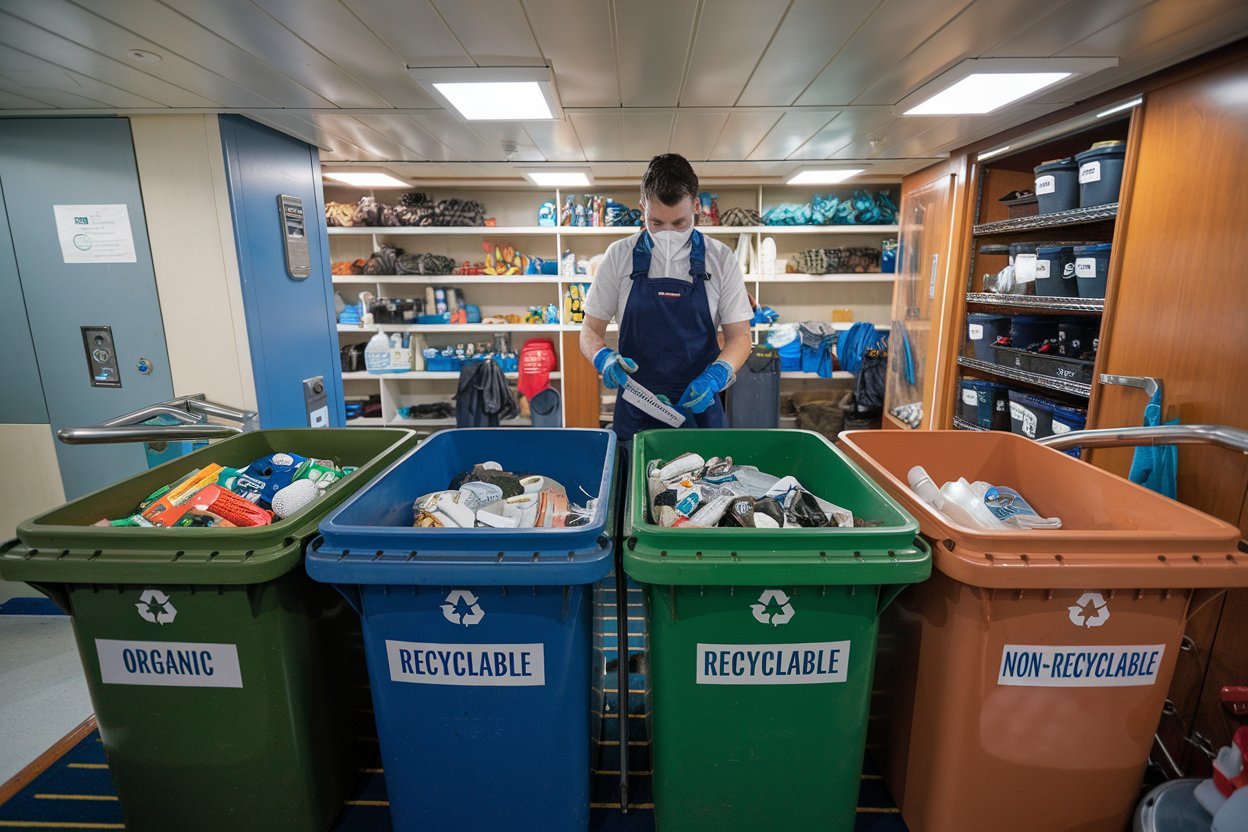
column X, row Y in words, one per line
column 1025, row 268
column 975, row 332
column 1085, row 267
column 1046, row 184
column 1078, row 666
column 1042, row 269
column 467, row 665
column 970, row 397
column 172, row 664
column 806, row 663
column 1089, row 172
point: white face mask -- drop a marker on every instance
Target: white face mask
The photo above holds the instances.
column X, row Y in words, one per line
column 668, row 243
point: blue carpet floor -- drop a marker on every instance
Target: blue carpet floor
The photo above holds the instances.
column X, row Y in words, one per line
column 76, row 792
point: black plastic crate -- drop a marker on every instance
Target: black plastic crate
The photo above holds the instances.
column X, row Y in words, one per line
column 1042, row 364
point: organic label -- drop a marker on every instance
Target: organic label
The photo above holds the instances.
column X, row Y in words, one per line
column 1046, row 184
column 1074, row 666
column 1089, row 172
column 809, row 663
column 467, row 665
column 975, row 332
column 1085, row 267
column 1042, row 270
column 172, row 664
column 970, row 397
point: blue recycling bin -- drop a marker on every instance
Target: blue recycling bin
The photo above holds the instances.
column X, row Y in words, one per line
column 479, row 641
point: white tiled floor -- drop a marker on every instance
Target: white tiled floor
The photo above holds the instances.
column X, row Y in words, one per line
column 43, row 694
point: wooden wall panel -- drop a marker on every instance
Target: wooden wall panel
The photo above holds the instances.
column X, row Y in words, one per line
column 581, row 404
column 1182, row 287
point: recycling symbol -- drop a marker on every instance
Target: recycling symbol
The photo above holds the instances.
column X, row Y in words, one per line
column 155, row 606
column 1089, row 611
column 461, row 607
column 773, row 608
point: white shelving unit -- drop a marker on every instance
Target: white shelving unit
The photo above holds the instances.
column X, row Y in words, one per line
column 796, row 297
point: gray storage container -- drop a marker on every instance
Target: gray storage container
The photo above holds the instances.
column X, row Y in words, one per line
column 1100, row 173
column 1057, row 185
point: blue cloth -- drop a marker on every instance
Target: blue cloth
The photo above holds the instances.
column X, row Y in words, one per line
column 1156, row 466
column 669, row 331
column 853, row 344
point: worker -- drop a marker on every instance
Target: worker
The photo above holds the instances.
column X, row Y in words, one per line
column 670, row 288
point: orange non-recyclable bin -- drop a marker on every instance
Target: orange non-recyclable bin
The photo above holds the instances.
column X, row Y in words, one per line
column 1021, row 686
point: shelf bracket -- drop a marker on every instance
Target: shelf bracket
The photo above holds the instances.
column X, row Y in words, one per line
column 1151, row 386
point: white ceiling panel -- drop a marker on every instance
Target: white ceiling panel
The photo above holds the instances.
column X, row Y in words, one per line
column 577, row 40
column 1154, row 22
column 812, row 33
column 744, row 130
column 456, row 135
column 601, row 135
column 696, row 132
column 412, row 29
column 653, row 46
column 911, row 136
column 1061, row 25
column 332, row 146
column 34, row 76
column 340, row 36
column 495, row 133
column 65, row 53
column 92, row 32
column 156, row 23
column 495, row 32
column 792, row 131
column 879, row 44
column 13, row 101
column 647, row 134
column 357, row 132
column 962, row 38
column 420, row 146
column 254, row 30
column 730, row 39
column 851, row 123
column 557, row 140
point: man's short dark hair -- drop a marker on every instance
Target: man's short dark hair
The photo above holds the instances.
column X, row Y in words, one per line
column 669, row 179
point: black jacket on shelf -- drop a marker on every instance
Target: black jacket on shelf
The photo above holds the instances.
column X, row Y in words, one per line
column 483, row 398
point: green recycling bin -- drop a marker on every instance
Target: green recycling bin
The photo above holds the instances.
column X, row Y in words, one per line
column 223, row 679
column 762, row 641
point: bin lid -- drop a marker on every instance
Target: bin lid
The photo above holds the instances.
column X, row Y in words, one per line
column 61, row 545
column 1115, row 535
column 886, row 554
column 378, row 518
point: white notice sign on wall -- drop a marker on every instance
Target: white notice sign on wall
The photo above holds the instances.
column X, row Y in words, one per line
column 95, row 233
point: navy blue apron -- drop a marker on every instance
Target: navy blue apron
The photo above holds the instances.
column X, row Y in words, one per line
column 668, row 330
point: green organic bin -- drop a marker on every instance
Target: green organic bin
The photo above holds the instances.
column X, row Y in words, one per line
column 762, row 641
column 223, row 678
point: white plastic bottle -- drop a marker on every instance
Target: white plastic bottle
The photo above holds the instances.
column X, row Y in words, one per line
column 377, row 354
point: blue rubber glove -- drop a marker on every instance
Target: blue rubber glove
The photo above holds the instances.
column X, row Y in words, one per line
column 700, row 393
column 613, row 367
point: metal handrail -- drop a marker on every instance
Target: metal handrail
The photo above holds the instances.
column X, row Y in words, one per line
column 192, row 411
column 1221, row 435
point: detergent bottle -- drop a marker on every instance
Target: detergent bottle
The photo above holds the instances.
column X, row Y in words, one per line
column 377, row 354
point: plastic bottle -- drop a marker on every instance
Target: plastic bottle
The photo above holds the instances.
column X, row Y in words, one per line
column 377, row 354
column 924, row 487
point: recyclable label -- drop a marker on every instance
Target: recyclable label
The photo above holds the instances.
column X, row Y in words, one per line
column 170, row 664
column 807, row 663
column 970, row 397
column 1085, row 267
column 1025, row 268
column 467, row 665
column 1046, row 184
column 1075, row 666
column 1089, row 172
column 1042, row 269
column 975, row 332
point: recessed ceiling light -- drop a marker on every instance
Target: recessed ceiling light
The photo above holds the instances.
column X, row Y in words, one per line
column 142, row 56
column 492, row 93
column 366, row 179
column 983, row 92
column 822, row 177
column 982, row 85
column 1127, row 105
column 558, row 178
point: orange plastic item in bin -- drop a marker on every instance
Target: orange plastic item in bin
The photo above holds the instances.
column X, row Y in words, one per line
column 1020, row 687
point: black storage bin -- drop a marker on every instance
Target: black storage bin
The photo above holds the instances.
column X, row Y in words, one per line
column 1026, row 330
column 984, row 403
column 1100, row 173
column 1057, row 185
column 1077, row 337
column 1055, row 272
column 983, row 330
column 1030, row 416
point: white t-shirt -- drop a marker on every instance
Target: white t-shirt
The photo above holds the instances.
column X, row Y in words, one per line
column 725, row 291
